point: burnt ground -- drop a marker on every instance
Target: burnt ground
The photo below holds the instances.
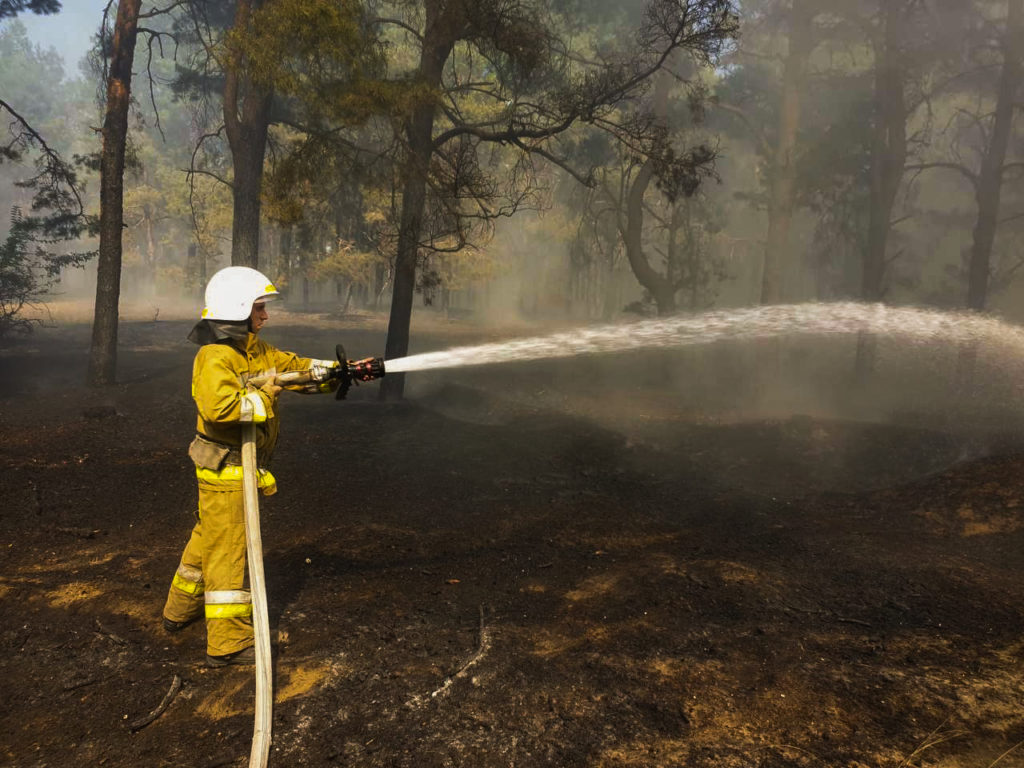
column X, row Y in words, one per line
column 476, row 577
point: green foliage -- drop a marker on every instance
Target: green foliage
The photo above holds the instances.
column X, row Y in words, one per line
column 318, row 53
column 679, row 173
column 349, row 264
column 14, row 7
column 26, row 272
column 31, row 77
column 36, row 175
column 18, row 279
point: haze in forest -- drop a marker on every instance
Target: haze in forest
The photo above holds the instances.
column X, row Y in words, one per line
column 784, row 151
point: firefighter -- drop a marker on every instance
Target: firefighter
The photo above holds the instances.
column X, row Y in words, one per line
column 212, row 578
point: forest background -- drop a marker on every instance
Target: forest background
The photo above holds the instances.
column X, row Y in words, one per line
column 579, row 163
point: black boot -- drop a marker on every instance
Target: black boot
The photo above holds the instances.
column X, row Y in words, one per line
column 176, row 626
column 244, row 656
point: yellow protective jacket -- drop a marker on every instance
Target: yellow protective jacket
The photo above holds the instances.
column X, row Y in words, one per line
column 224, row 401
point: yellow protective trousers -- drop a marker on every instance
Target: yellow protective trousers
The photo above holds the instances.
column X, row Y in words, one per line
column 212, row 578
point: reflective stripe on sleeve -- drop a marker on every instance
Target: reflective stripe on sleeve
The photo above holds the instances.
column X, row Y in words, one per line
column 228, row 604
column 253, row 409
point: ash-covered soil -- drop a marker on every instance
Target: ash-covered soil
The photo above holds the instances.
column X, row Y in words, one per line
column 510, row 569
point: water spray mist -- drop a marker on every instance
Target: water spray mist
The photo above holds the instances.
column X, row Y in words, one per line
column 843, row 318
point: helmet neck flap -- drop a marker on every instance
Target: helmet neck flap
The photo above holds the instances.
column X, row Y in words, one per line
column 213, row 331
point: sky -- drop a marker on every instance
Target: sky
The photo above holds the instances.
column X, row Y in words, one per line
column 69, row 31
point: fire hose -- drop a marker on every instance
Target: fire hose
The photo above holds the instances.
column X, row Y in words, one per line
column 258, row 588
column 347, row 372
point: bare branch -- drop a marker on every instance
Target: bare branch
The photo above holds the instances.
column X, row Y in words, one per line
column 586, row 181
column 191, row 172
column 211, row 174
column 963, row 170
column 610, row 94
column 54, row 162
column 398, row 23
column 151, row 36
column 758, row 132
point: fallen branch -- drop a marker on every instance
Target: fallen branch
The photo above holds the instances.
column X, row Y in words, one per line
column 1011, row 749
column 81, row 684
column 483, row 646
column 801, row 609
column 81, row 533
column 107, row 633
column 142, row 722
column 828, row 614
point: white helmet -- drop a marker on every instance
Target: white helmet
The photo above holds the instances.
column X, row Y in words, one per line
column 232, row 291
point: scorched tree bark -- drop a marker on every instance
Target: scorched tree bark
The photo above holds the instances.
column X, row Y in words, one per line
column 246, row 121
column 103, row 353
column 782, row 195
column 441, row 32
column 989, row 185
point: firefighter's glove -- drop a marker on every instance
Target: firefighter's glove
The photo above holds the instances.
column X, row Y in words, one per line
column 367, row 369
column 271, row 388
column 354, row 371
column 324, row 370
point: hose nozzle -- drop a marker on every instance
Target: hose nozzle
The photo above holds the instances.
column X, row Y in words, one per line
column 349, row 371
column 367, row 369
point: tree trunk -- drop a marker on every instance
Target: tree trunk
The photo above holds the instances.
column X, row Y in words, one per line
column 661, row 290
column 990, row 181
column 150, row 249
column 285, row 262
column 989, row 187
column 194, row 272
column 438, row 41
column 610, row 297
column 246, row 120
column 661, row 287
column 414, row 196
column 383, row 278
column 674, row 268
column 782, row 189
column 889, row 147
column 272, row 262
column 103, row 352
column 888, row 161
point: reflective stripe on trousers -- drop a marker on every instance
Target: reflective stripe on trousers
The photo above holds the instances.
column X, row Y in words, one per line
column 188, row 579
column 230, row 478
column 228, row 604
